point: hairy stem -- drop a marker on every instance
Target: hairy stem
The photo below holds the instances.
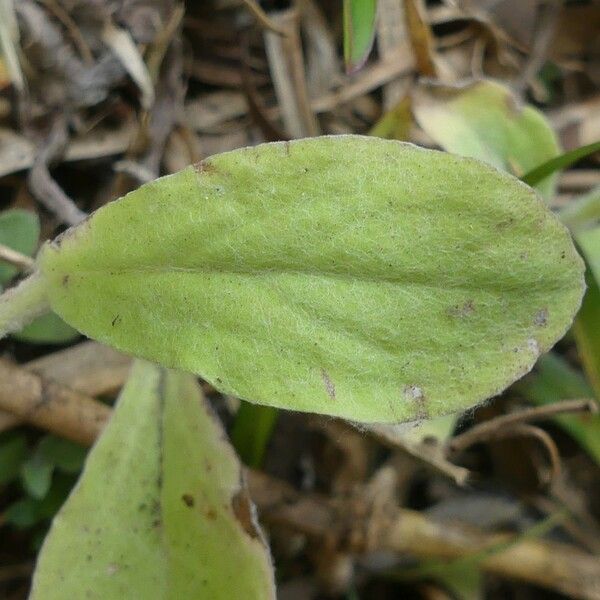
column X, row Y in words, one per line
column 23, row 303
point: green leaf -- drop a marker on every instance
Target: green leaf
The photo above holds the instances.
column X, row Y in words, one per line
column 554, row 380
column 19, row 230
column 587, row 322
column 13, row 450
column 306, row 275
column 159, row 511
column 252, row 431
column 37, row 475
column 484, row 120
column 51, row 452
column 63, row 454
column 27, row 512
column 359, row 32
column 587, row 333
column 47, row 329
column 23, row 513
column 542, row 172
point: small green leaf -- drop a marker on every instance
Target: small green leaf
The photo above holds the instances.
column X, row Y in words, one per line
column 554, row 380
column 544, row 171
column 359, row 31
column 159, row 511
column 252, row 431
column 27, row 512
column 13, row 450
column 484, row 120
column 63, row 454
column 19, row 230
column 23, row 513
column 37, row 475
column 306, row 275
column 47, row 329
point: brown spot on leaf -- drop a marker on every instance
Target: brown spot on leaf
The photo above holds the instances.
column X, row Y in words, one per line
column 188, row 500
column 244, row 513
column 541, row 318
column 329, row 385
column 205, row 166
column 505, row 223
column 415, row 394
column 461, row 311
column 211, row 514
column 65, row 280
column 116, row 320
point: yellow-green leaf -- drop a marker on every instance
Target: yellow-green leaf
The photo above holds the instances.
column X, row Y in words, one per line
column 160, row 511
column 484, row 120
column 350, row 275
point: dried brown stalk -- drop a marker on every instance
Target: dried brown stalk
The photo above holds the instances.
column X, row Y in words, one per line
column 489, row 429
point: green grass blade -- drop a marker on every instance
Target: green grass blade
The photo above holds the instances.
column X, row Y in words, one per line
column 537, row 175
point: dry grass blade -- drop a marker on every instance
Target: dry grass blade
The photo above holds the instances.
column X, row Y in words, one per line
column 420, row 35
column 121, row 43
column 323, row 68
column 391, row 38
column 9, row 40
column 286, row 64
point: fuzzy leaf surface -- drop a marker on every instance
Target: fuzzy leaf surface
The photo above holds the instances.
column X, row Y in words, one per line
column 351, row 276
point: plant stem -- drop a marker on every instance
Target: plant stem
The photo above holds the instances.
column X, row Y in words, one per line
column 23, row 303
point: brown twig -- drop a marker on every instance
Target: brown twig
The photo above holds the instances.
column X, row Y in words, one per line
column 51, row 406
column 522, row 430
column 263, row 18
column 43, row 186
column 73, row 30
column 546, row 28
column 489, row 429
